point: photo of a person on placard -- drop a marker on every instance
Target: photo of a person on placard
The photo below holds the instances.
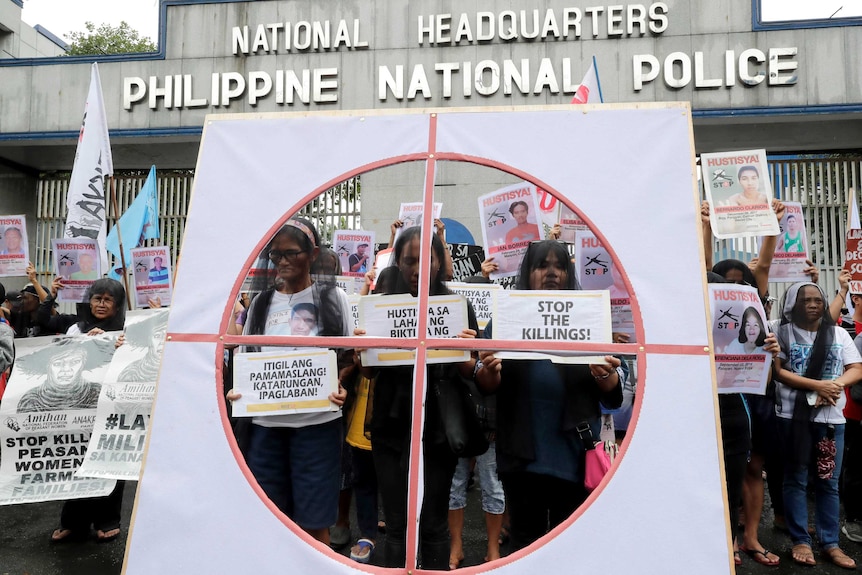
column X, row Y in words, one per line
column 158, row 273
column 303, row 319
column 86, row 269
column 749, row 179
column 359, row 261
column 524, row 231
column 792, row 240
column 12, row 239
column 752, row 334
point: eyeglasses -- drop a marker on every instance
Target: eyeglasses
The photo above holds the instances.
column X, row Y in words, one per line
column 290, row 255
column 102, row 300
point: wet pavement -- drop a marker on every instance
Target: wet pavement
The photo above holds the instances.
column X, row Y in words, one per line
column 25, row 548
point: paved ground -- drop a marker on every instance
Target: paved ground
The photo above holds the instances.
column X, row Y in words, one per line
column 25, row 549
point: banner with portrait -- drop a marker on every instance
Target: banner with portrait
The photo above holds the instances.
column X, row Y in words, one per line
column 47, row 416
column 14, row 248
column 739, row 191
column 739, row 328
column 510, row 221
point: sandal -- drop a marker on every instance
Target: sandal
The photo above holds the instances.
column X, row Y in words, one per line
column 504, row 535
column 803, row 555
column 361, row 552
column 107, row 535
column 339, row 536
column 737, row 560
column 63, row 535
column 763, row 557
column 838, row 557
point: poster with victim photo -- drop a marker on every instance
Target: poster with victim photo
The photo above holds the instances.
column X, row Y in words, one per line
column 791, row 251
column 14, row 250
column 153, row 278
column 739, row 191
column 510, row 221
column 739, row 330
column 411, row 213
column 355, row 249
column 596, row 271
column 77, row 263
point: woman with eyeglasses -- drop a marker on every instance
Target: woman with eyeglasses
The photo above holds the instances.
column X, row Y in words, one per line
column 104, row 310
column 296, row 458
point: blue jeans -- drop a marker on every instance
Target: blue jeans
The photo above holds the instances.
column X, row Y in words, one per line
column 826, row 521
column 493, row 499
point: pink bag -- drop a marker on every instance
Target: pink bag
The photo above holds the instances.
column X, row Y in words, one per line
column 598, row 462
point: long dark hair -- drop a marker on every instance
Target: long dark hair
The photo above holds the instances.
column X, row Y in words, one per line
column 104, row 286
column 398, row 284
column 761, row 337
column 724, row 266
column 329, row 317
column 536, row 253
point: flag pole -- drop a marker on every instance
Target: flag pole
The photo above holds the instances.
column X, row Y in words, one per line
column 113, row 192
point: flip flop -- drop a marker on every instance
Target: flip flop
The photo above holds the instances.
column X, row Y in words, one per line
column 364, row 551
column 838, row 557
column 107, row 535
column 803, row 555
column 762, row 557
column 737, row 560
column 64, row 535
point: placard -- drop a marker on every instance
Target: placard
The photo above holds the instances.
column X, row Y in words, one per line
column 410, row 214
column 480, row 296
column 153, row 277
column 739, row 191
column 395, row 316
column 283, row 382
column 552, row 315
column 510, row 221
column 791, row 251
column 77, row 263
column 355, row 250
column 739, row 328
column 14, row 247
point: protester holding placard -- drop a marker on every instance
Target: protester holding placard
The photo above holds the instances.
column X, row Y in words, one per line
column 541, row 407
column 391, row 420
column 296, row 458
column 104, row 312
column 817, row 361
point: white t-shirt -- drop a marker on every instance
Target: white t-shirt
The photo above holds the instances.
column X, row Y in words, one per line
column 289, row 313
column 795, row 354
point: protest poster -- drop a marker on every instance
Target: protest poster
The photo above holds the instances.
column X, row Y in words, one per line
column 381, row 262
column 355, row 249
column 350, row 284
column 509, row 223
column 297, row 380
column 14, row 248
column 738, row 333
column 116, row 446
column 48, row 412
column 254, row 277
column 549, row 208
column 153, row 277
column 480, row 296
column 552, row 315
column 76, row 263
column 570, row 224
column 410, row 214
column 853, row 259
column 739, row 191
column 791, row 250
column 596, row 270
column 396, row 316
column 353, row 301
column 466, row 260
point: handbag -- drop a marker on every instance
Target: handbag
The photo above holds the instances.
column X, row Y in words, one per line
column 598, row 461
column 458, row 415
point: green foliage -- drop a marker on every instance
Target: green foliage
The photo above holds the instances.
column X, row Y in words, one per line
column 108, row 39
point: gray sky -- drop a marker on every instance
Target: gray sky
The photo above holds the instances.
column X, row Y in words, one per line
column 64, row 16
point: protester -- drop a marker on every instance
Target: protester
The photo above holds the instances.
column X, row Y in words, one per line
column 296, row 458
column 817, row 361
column 851, row 478
column 540, row 406
column 105, row 311
column 392, row 416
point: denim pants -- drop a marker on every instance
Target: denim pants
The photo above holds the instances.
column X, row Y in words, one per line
column 493, row 499
column 826, row 521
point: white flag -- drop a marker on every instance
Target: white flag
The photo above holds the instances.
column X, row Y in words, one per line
column 853, row 212
column 85, row 201
column 590, row 91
